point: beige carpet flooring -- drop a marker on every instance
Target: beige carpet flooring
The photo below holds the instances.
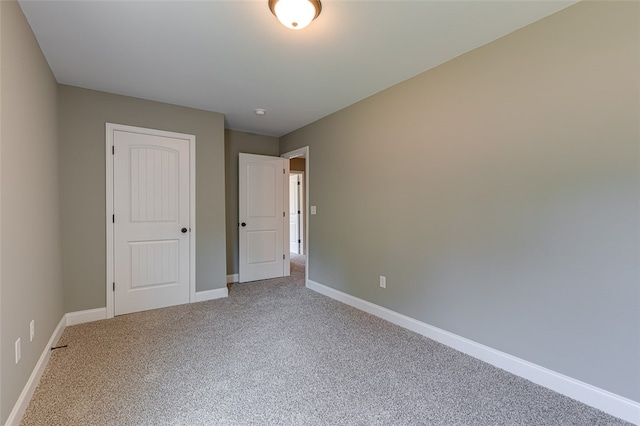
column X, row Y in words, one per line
column 276, row 353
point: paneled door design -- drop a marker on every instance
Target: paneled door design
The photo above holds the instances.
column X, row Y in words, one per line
column 151, row 182
column 263, row 217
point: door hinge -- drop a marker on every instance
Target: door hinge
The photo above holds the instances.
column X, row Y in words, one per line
column 283, row 256
column 114, row 286
column 284, row 214
column 113, row 218
column 298, row 183
column 299, row 241
column 113, row 150
column 283, row 172
column 298, row 211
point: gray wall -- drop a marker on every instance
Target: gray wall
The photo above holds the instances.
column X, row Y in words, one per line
column 82, row 117
column 236, row 142
column 499, row 195
column 30, row 278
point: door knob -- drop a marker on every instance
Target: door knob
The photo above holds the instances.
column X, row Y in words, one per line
column 244, row 224
column 183, row 230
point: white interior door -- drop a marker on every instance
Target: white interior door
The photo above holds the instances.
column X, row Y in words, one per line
column 263, row 217
column 151, row 180
column 294, row 213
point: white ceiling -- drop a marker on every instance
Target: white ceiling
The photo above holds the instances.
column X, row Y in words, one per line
column 234, row 56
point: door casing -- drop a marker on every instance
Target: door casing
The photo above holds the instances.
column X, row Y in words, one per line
column 110, row 128
column 304, row 153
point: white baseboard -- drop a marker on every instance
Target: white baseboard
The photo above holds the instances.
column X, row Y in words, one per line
column 601, row 399
column 232, row 278
column 71, row 318
column 216, row 293
column 29, row 388
column 68, row 319
column 80, row 317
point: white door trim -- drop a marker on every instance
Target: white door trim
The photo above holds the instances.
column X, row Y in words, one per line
column 304, row 152
column 110, row 128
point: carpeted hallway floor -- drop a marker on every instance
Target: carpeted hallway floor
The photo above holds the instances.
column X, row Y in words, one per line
column 276, row 353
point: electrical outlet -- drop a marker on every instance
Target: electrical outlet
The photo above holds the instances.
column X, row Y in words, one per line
column 383, row 281
column 32, row 330
column 18, row 351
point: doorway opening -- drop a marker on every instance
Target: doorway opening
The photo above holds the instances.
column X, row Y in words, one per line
column 296, row 211
column 299, row 166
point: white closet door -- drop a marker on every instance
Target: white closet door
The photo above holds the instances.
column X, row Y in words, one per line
column 151, row 230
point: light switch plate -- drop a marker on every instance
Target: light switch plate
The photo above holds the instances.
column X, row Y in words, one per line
column 313, row 209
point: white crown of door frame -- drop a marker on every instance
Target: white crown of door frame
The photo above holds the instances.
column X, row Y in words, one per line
column 110, row 128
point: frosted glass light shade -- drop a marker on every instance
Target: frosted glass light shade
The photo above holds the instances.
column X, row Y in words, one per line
column 295, row 14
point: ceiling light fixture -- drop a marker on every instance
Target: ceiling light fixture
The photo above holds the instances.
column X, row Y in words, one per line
column 295, row 14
